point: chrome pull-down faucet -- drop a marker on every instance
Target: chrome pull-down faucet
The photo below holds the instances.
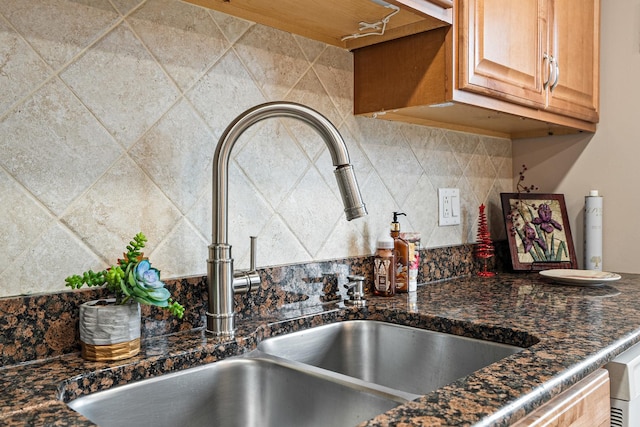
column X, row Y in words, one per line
column 220, row 274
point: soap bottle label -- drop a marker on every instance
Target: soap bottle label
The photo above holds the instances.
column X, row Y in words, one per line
column 402, row 264
column 413, row 238
column 383, row 282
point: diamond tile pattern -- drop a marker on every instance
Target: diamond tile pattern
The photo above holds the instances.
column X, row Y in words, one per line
column 56, row 162
column 109, row 119
column 121, row 83
column 59, row 30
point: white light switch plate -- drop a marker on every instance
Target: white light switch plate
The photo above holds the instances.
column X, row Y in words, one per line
column 448, row 206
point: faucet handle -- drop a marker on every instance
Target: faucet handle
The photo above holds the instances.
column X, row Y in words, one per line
column 355, row 291
column 244, row 281
column 253, row 249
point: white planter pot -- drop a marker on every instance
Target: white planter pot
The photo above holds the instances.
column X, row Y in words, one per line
column 109, row 331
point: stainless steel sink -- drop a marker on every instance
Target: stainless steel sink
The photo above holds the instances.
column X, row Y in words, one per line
column 334, row 375
column 234, row 392
column 404, row 358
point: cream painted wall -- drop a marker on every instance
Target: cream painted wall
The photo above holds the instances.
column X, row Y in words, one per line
column 609, row 160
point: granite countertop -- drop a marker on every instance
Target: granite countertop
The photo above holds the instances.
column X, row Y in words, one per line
column 570, row 332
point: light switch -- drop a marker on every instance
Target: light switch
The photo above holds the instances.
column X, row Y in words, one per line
column 449, row 206
column 455, row 206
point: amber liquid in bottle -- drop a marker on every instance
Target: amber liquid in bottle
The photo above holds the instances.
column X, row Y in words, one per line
column 401, row 249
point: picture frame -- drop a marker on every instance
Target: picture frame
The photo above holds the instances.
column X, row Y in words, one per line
column 538, row 231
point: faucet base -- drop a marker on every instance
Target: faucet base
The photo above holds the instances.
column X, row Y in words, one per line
column 221, row 325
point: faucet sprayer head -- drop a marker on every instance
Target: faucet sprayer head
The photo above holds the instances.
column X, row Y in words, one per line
column 351, row 198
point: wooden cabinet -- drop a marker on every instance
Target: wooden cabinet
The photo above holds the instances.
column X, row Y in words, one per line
column 586, row 404
column 540, row 53
column 501, row 45
column 333, row 21
column 514, row 69
column 574, row 44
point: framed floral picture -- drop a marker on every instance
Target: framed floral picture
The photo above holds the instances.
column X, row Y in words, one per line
column 538, row 231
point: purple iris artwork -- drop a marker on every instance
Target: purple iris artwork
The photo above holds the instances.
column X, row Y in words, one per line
column 538, row 228
column 544, row 220
column 530, row 237
column 541, row 235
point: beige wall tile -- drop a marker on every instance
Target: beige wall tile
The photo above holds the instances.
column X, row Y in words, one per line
column 123, row 202
column 233, row 28
column 334, row 67
column 54, row 146
column 182, row 252
column 24, row 219
column 117, row 136
column 272, row 161
column 22, row 69
column 225, row 91
column 311, row 211
column 59, row 29
column 178, row 34
column 52, row 257
column 176, row 153
column 122, row 85
column 277, row 65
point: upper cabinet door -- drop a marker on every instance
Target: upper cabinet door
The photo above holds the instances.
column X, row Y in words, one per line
column 575, row 46
column 501, row 47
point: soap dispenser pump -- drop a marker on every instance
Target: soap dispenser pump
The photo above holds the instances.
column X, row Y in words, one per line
column 401, row 249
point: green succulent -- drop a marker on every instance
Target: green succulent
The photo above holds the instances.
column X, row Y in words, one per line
column 132, row 278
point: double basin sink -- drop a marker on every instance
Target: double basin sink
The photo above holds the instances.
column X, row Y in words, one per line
column 338, row 374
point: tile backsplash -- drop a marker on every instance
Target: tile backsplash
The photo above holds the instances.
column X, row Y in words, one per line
column 109, row 116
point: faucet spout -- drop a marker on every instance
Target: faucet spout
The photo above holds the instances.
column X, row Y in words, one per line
column 220, row 274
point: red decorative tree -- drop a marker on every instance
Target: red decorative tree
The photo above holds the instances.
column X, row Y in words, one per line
column 484, row 246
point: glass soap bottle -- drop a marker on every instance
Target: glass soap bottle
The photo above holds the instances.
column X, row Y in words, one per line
column 384, row 276
column 401, row 247
column 413, row 238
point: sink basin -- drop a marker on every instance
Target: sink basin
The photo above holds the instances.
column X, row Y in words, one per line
column 234, row 392
column 400, row 357
column 333, row 375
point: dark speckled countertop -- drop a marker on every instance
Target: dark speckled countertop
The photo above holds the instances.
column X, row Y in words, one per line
column 570, row 331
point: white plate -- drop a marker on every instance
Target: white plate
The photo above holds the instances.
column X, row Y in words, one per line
column 579, row 277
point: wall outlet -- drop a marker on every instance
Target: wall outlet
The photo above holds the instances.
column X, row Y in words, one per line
column 448, row 206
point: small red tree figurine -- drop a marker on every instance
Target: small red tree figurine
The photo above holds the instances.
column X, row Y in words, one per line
column 484, row 246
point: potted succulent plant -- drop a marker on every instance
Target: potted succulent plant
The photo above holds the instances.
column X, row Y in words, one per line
column 110, row 328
